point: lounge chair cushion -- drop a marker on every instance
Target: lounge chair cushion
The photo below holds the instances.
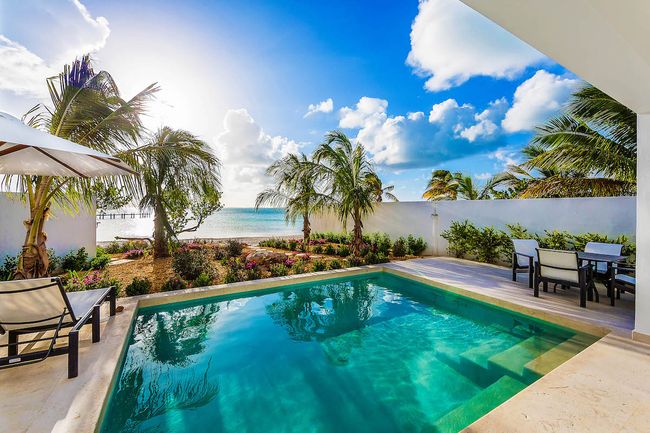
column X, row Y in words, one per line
column 551, row 260
column 626, row 279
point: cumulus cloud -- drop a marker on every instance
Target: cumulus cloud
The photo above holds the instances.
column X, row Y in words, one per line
column 246, row 150
column 504, row 158
column 450, row 43
column 451, row 130
column 54, row 38
column 482, row 176
column 537, row 99
column 326, row 106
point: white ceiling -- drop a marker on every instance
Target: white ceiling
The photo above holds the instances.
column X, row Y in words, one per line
column 605, row 42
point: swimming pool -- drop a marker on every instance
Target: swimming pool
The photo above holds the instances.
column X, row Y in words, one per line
column 375, row 353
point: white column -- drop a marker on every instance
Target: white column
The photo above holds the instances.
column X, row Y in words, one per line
column 642, row 319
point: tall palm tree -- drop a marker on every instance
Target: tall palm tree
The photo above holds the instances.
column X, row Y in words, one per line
column 590, row 149
column 445, row 185
column 86, row 108
column 179, row 181
column 345, row 169
column 295, row 190
column 381, row 192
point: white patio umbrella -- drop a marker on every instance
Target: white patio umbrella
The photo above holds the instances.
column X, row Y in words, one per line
column 26, row 150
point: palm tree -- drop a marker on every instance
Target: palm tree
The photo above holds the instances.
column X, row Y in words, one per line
column 380, row 191
column 295, row 190
column 445, row 185
column 346, row 170
column 179, row 181
column 86, row 108
column 441, row 186
column 590, row 150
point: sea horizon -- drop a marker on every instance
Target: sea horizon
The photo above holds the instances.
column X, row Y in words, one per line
column 229, row 222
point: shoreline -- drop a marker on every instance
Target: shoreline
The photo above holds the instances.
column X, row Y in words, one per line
column 250, row 240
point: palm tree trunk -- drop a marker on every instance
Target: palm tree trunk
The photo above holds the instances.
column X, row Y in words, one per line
column 34, row 261
column 160, row 247
column 306, row 231
column 357, row 234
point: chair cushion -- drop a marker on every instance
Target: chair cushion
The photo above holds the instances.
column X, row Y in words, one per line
column 603, row 248
column 82, row 302
column 626, row 279
column 527, row 247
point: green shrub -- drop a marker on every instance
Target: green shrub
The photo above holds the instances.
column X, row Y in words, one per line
column 202, row 280
column 461, row 237
column 189, row 264
column 75, row 260
column 55, row 261
column 490, row 245
column 100, row 261
column 292, row 244
column 517, row 231
column 399, row 247
column 557, row 240
column 415, row 246
column 253, row 273
column 174, row 283
column 318, row 249
column 375, row 258
column 299, row 267
column 318, row 265
column 233, row 275
column 334, row 264
column 113, row 248
column 8, row 268
column 343, row 251
column 139, row 286
column 354, row 261
column 381, row 243
column 233, row 248
column 329, row 250
column 279, row 270
column 219, row 252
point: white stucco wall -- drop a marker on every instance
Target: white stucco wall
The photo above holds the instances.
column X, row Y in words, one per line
column 65, row 233
column 607, row 215
column 642, row 304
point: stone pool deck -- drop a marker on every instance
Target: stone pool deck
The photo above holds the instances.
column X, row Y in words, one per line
column 605, row 388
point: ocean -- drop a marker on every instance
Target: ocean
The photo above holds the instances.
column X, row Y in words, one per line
column 228, row 222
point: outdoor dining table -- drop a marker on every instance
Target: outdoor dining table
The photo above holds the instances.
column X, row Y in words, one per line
column 603, row 258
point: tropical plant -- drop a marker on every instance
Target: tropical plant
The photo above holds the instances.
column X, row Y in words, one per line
column 139, row 286
column 445, row 185
column 295, row 190
column 399, row 247
column 85, row 107
column 348, row 173
column 589, row 150
column 180, row 182
column 174, row 283
column 380, row 191
column 190, row 264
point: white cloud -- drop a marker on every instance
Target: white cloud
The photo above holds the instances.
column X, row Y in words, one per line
column 326, row 106
column 486, row 121
column 504, row 158
column 537, row 99
column 450, row 43
column 483, row 176
column 56, row 35
column 450, row 131
column 246, row 151
column 21, row 71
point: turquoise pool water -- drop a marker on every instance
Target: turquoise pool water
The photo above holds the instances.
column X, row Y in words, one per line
column 376, row 353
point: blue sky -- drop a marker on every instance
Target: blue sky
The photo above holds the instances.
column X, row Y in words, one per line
column 423, row 85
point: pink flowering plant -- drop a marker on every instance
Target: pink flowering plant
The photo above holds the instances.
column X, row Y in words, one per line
column 134, row 254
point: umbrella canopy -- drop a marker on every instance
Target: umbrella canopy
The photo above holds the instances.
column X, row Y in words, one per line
column 26, row 150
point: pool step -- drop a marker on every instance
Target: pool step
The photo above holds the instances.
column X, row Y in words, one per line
column 474, row 362
column 512, row 361
column 477, row 406
column 558, row 354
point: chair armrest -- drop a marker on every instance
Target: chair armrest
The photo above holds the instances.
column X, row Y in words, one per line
column 522, row 254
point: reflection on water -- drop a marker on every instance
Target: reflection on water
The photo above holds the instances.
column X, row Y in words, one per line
column 370, row 354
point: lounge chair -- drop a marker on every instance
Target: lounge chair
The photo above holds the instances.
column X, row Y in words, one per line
column 39, row 305
column 561, row 267
column 623, row 280
column 524, row 256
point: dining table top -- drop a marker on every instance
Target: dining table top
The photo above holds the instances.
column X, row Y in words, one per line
column 598, row 257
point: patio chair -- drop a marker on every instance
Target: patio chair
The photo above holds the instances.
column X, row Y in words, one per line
column 561, row 267
column 524, row 256
column 42, row 305
column 603, row 248
column 623, row 280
